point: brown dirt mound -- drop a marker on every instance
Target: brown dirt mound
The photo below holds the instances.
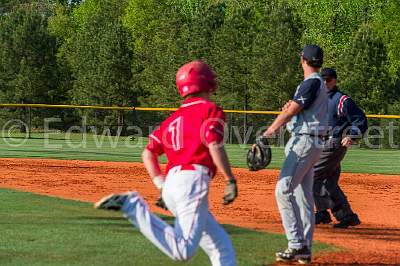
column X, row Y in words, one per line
column 374, row 197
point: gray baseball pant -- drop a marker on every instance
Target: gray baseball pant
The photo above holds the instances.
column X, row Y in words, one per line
column 327, row 193
column 294, row 190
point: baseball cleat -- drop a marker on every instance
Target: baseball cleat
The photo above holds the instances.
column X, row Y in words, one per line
column 302, row 255
column 112, row 202
column 322, row 217
column 351, row 220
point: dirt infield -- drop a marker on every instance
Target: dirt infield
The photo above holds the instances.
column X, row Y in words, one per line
column 376, row 198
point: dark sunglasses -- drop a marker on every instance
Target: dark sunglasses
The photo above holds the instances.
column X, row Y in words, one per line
column 328, row 79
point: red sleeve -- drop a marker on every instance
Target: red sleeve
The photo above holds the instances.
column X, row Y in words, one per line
column 214, row 125
column 155, row 144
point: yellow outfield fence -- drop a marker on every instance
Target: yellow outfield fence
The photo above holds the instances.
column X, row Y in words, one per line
column 127, row 108
column 242, row 126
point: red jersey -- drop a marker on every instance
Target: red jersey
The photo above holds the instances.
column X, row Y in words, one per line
column 185, row 135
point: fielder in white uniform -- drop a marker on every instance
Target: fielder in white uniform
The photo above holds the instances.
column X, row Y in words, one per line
column 192, row 139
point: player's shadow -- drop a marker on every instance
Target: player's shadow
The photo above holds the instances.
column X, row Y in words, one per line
column 103, row 221
column 361, row 230
column 348, row 264
column 119, row 222
column 384, row 234
column 235, row 230
column 99, row 218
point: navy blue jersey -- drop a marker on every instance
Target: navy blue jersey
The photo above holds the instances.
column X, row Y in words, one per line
column 345, row 117
column 312, row 96
column 307, row 92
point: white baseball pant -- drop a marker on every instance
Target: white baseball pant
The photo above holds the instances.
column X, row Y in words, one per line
column 185, row 193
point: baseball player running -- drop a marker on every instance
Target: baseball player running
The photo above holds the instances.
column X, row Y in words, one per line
column 347, row 123
column 192, row 139
column 307, row 113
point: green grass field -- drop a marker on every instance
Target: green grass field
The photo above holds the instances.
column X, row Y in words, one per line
column 103, row 148
column 40, row 230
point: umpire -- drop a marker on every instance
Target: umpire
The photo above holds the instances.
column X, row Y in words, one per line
column 347, row 122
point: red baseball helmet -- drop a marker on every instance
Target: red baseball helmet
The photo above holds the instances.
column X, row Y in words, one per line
column 195, row 76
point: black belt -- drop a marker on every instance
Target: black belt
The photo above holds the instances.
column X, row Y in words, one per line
column 323, row 137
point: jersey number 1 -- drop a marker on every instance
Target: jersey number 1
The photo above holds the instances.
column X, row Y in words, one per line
column 176, row 129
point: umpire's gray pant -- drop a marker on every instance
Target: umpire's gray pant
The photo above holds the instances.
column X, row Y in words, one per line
column 294, row 190
column 327, row 193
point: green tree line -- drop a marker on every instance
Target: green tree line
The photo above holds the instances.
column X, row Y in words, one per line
column 126, row 52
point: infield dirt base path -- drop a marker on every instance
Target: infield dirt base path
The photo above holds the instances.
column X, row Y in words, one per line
column 376, row 199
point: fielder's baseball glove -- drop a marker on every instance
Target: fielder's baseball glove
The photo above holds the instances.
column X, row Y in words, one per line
column 259, row 155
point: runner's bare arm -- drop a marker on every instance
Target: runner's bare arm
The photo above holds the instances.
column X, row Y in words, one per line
column 221, row 160
column 152, row 166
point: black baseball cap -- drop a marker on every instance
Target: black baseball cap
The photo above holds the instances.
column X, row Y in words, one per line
column 329, row 72
column 313, row 54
